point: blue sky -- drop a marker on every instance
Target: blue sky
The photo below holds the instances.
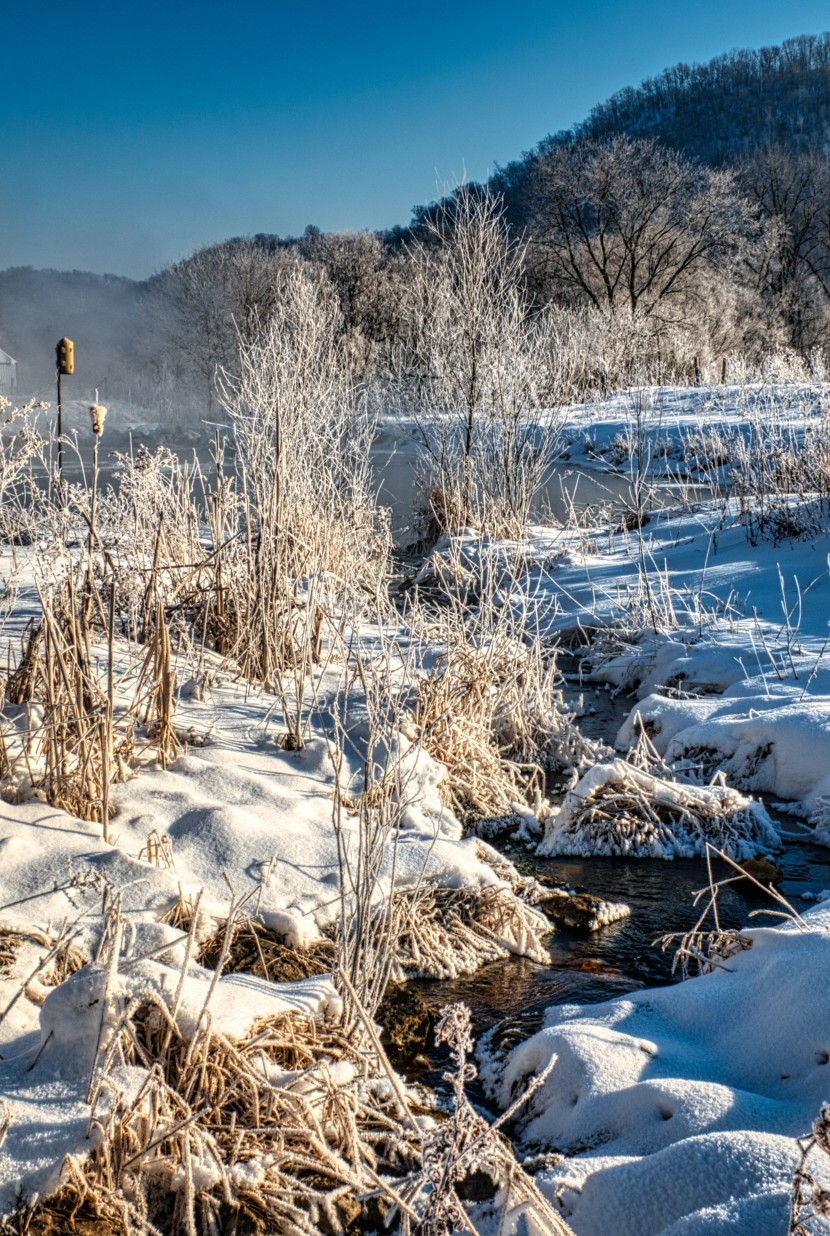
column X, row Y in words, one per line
column 133, row 133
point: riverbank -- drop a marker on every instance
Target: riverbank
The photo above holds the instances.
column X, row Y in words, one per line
column 345, row 813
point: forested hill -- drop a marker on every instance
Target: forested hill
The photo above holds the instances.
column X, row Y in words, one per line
column 693, row 209
column 729, row 107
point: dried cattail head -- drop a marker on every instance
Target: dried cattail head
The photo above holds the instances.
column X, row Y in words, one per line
column 97, row 413
column 821, row 1128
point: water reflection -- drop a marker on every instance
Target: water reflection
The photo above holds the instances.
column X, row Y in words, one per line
column 586, row 968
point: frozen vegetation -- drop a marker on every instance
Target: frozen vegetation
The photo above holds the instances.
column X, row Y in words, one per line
column 253, row 777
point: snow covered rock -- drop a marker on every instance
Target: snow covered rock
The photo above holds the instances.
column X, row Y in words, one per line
column 581, row 910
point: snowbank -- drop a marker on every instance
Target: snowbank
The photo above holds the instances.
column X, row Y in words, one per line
column 236, row 812
column 776, row 742
column 676, row 1109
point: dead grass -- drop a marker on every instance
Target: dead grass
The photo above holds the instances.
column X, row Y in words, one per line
column 443, row 933
column 621, row 809
column 492, row 714
column 253, row 949
column 183, row 911
column 69, row 1211
column 157, row 684
column 709, row 946
column 9, row 944
column 285, row 1127
column 157, row 850
column 59, row 958
column 464, row 1146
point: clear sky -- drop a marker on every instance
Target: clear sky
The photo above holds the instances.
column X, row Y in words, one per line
column 132, row 133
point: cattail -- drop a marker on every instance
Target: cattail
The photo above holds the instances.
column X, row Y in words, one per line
column 97, row 413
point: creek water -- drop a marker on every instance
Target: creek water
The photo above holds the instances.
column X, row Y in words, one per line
column 568, row 490
column 588, row 967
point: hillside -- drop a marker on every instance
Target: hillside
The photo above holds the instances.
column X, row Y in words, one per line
column 763, row 115
column 729, row 107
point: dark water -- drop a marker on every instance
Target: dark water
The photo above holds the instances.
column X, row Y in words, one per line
column 586, row 968
column 568, row 493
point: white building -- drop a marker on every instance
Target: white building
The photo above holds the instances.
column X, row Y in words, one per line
column 8, row 373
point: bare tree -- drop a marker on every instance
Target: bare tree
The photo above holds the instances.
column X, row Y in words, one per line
column 477, row 368
column 631, row 227
column 792, row 195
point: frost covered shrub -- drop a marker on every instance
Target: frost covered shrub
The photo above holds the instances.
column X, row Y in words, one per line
column 489, row 707
column 595, row 353
column 810, row 1199
column 20, row 446
column 464, row 1145
column 780, row 476
column 491, row 714
column 443, row 933
column 476, row 372
column 622, row 810
column 313, row 534
column 707, row 448
column 153, row 528
column 784, row 365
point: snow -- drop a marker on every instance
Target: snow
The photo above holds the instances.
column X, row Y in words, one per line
column 243, row 816
column 676, row 1109
column 722, row 639
column 44, row 1076
column 686, row 1098
column 778, row 743
column 673, row 420
column 655, row 818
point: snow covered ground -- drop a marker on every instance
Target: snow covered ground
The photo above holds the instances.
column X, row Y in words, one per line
column 723, row 640
column 239, row 816
column 676, row 1110
column 675, row 428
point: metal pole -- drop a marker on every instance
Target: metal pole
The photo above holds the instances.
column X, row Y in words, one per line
column 60, row 438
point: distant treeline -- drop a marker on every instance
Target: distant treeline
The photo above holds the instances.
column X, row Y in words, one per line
column 723, row 110
column 681, row 231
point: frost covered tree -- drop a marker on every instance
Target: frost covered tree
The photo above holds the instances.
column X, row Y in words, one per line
column 477, row 368
column 791, row 192
column 368, row 286
column 631, row 227
column 216, row 298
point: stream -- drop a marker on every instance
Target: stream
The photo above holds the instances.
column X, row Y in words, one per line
column 567, row 491
column 588, row 967
column 583, row 967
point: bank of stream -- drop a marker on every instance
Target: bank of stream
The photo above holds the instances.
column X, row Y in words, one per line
column 589, row 967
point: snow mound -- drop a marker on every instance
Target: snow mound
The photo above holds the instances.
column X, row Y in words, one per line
column 776, row 742
column 618, row 809
column 686, row 1098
